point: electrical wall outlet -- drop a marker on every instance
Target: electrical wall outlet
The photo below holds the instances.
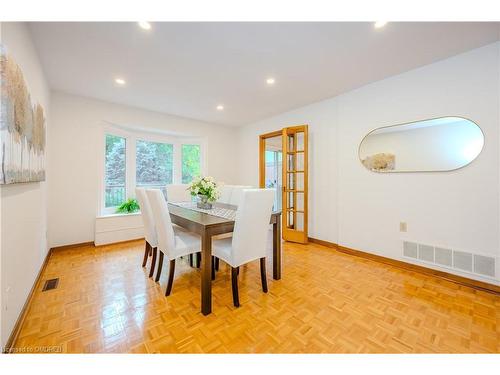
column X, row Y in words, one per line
column 403, row 227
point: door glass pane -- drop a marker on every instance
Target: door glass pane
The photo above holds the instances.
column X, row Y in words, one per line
column 190, row 163
column 300, row 141
column 299, row 221
column 154, row 164
column 290, row 200
column 274, row 168
column 291, row 163
column 299, row 202
column 290, row 222
column 300, row 161
column 299, row 180
column 291, row 183
column 291, row 142
column 114, row 171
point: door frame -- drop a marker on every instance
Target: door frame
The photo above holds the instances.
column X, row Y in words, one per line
column 262, row 155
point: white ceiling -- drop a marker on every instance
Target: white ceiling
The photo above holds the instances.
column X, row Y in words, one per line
column 187, row 69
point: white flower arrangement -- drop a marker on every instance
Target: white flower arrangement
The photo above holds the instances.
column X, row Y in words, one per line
column 205, row 187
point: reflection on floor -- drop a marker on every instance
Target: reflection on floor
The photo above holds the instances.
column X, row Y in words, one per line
column 325, row 302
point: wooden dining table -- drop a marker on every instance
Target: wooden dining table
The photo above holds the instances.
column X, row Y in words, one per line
column 207, row 226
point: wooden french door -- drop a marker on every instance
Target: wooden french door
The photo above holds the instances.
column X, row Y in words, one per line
column 295, row 189
column 294, row 169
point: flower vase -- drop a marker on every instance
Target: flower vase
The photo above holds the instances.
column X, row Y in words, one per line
column 203, row 202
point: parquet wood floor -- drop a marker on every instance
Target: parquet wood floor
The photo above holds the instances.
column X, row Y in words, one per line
column 326, row 302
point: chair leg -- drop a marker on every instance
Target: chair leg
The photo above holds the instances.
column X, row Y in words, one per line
column 213, row 267
column 191, row 264
column 146, row 254
column 198, row 260
column 171, row 272
column 263, row 277
column 160, row 265
column 153, row 263
column 234, row 279
column 216, row 263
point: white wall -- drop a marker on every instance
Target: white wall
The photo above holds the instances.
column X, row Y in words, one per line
column 23, row 206
column 77, row 149
column 360, row 209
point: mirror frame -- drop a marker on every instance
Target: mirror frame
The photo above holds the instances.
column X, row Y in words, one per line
column 413, row 122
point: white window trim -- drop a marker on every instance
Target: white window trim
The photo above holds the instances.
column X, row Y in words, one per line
column 131, row 138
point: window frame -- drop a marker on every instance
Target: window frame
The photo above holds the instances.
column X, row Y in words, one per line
column 131, row 137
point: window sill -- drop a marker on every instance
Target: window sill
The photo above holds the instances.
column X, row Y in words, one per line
column 104, row 216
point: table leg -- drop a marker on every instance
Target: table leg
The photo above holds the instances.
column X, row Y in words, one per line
column 206, row 274
column 277, row 250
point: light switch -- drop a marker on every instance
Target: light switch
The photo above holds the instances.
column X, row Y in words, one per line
column 402, row 227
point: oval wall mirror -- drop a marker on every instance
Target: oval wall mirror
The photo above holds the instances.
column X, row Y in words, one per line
column 441, row 144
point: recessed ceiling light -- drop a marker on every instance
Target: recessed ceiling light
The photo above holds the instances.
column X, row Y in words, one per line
column 380, row 24
column 220, row 107
column 144, row 25
column 270, row 81
column 120, row 81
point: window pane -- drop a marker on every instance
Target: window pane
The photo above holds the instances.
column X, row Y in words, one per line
column 115, row 171
column 190, row 162
column 154, row 164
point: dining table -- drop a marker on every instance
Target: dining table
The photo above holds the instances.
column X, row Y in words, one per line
column 207, row 226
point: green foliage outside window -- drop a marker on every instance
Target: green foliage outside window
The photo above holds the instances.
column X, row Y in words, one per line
column 154, row 163
column 190, row 163
column 115, row 170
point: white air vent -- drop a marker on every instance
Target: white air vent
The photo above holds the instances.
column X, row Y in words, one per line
column 484, row 265
column 462, row 260
column 459, row 260
column 410, row 250
column 444, row 257
column 426, row 252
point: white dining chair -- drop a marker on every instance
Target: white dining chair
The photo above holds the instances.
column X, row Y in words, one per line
column 249, row 238
column 230, row 194
column 172, row 244
column 237, row 194
column 149, row 228
column 178, row 193
column 225, row 194
column 150, row 233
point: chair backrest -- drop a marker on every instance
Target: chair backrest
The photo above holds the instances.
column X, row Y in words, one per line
column 178, row 193
column 251, row 225
column 225, row 194
column 231, row 194
column 147, row 217
column 237, row 194
column 164, row 229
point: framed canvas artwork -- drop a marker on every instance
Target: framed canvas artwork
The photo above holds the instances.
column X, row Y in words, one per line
column 22, row 127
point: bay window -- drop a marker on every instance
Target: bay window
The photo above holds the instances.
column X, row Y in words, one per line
column 137, row 159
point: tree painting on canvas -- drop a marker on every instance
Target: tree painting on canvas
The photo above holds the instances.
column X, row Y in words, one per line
column 22, row 127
